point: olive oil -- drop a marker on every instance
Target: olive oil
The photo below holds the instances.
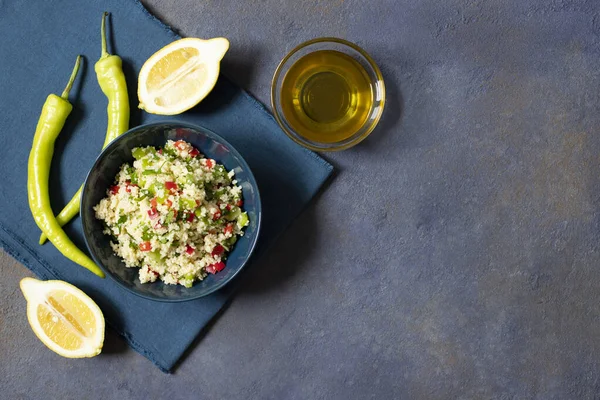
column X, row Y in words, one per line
column 326, row 96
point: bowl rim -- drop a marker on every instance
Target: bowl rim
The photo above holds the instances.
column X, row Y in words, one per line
column 213, row 136
column 280, row 119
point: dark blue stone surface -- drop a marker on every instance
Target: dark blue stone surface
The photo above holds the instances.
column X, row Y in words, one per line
column 456, row 253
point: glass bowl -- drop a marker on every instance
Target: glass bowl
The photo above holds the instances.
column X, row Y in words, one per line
column 357, row 54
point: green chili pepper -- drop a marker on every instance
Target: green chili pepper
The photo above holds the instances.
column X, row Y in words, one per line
column 112, row 82
column 54, row 113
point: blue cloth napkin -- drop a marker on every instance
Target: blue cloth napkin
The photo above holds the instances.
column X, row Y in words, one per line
column 39, row 45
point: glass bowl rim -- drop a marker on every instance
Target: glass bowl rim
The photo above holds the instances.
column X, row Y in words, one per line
column 370, row 125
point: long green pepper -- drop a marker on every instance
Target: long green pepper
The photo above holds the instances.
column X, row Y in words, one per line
column 52, row 119
column 110, row 76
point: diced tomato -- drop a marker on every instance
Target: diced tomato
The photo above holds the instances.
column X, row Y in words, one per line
column 128, row 186
column 217, row 215
column 153, row 213
column 180, row 145
column 189, row 249
column 228, row 228
column 214, row 268
column 190, row 217
column 228, row 207
column 169, row 203
column 145, row 246
column 210, row 163
column 159, row 151
column 239, row 203
column 197, row 203
column 114, row 189
column 153, row 203
column 171, row 187
column 174, row 214
column 194, row 153
column 218, row 250
column 220, row 266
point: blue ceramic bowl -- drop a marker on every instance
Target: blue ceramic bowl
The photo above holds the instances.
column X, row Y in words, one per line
column 105, row 169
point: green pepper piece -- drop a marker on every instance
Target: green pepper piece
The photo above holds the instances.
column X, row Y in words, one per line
column 170, row 217
column 233, row 214
column 132, row 175
column 243, row 220
column 163, row 198
column 155, row 256
column 138, row 153
column 169, row 153
column 147, row 234
column 187, row 203
column 231, row 241
column 142, row 196
column 152, row 189
column 219, row 193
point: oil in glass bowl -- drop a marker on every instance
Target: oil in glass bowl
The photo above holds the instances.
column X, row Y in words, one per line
column 326, row 96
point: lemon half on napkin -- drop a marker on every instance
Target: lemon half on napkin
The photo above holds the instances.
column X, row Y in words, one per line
column 64, row 318
column 180, row 75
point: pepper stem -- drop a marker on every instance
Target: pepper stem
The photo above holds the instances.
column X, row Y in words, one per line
column 103, row 33
column 65, row 93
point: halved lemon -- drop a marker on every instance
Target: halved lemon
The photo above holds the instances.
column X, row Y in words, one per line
column 64, row 318
column 180, row 75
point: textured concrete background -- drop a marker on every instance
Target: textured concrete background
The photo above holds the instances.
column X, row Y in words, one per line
column 455, row 255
